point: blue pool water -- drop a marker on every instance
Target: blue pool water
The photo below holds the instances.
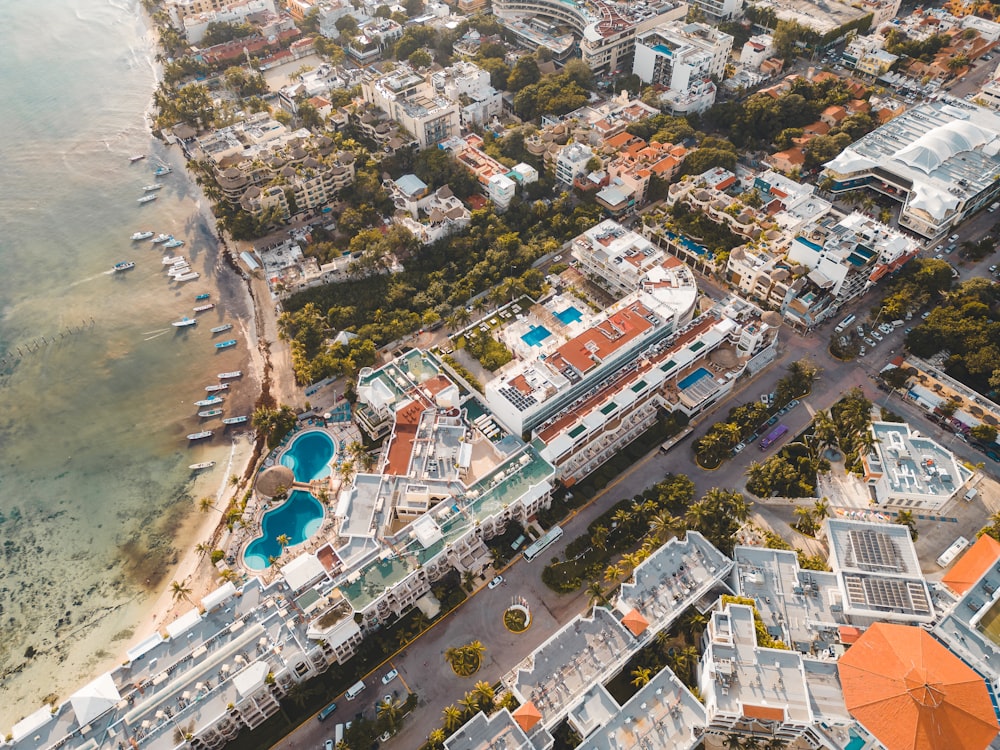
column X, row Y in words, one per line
column 693, row 378
column 536, row 335
column 856, row 742
column 569, row 315
column 309, row 456
column 299, row 517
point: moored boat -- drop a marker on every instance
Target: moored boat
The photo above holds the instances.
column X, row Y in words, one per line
column 222, row 328
column 216, row 387
column 226, row 344
column 184, row 322
column 233, row 374
column 162, row 238
column 203, row 308
column 202, row 465
column 209, row 413
column 169, row 260
column 200, row 297
column 137, row 157
column 200, row 435
column 173, row 243
column 146, row 199
column 125, row 265
column 162, row 170
column 178, row 269
column 151, row 188
column 141, row 236
column 210, row 401
column 186, row 277
column 235, row 420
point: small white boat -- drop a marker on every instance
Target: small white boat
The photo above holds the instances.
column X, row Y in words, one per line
column 141, row 236
column 184, row 322
column 186, row 277
column 151, row 188
column 137, row 157
column 202, row 465
column 147, row 199
column 162, row 170
column 216, row 387
column 234, row 420
column 125, row 265
column 162, row 238
column 203, row 308
column 169, row 260
column 209, row 413
column 233, row 374
column 210, row 401
column 173, row 243
column 200, row 435
column 220, row 329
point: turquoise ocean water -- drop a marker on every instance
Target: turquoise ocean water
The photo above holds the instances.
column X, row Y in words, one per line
column 94, row 478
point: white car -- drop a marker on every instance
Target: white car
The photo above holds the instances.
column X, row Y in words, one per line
column 497, row 580
column 389, row 676
column 876, row 335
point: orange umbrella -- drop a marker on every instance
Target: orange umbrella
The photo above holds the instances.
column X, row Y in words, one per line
column 914, row 694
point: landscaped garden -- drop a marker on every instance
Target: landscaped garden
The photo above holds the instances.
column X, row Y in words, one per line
column 516, row 618
column 466, row 660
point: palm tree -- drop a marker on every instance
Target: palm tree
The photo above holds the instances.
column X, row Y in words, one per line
column 905, row 518
column 484, row 693
column 205, row 505
column 469, row 703
column 613, row 573
column 751, row 743
column 821, row 508
column 202, row 548
column 641, row 676
column 663, row 525
column 775, row 743
column 596, row 593
column 733, row 742
column 622, row 516
column 805, row 524
column 229, row 575
column 452, row 718
column 468, row 580
column 181, row 591
column 283, row 540
column 436, row 738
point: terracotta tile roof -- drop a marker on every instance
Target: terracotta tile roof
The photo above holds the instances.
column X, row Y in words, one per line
column 913, row 694
column 527, row 715
column 970, row 567
column 404, row 433
column 620, row 140
column 765, row 713
column 848, row 634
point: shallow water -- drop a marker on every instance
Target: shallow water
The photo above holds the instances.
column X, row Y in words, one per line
column 94, row 477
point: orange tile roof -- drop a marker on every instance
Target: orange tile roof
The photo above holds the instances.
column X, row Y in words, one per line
column 913, row 694
column 598, row 342
column 403, row 434
column 617, row 141
column 765, row 713
column 970, row 567
column 848, row 634
column 635, row 622
column 527, row 715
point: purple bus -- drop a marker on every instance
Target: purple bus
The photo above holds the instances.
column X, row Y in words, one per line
column 773, row 436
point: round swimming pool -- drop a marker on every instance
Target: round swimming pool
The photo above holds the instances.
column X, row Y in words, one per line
column 309, row 455
column 298, row 518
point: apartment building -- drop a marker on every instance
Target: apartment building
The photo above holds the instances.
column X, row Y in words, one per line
column 469, row 84
column 683, row 58
column 606, row 31
column 374, row 38
column 756, row 50
column 849, row 257
column 304, row 182
column 410, row 100
column 632, row 167
column 571, row 162
column 499, row 181
column 719, row 10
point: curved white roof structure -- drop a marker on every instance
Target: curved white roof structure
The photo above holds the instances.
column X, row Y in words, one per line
column 940, row 144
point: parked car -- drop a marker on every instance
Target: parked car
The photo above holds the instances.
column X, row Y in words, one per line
column 497, row 580
column 389, row 676
column 953, row 238
column 739, row 447
column 876, row 335
column 925, row 315
column 862, row 352
column 870, row 343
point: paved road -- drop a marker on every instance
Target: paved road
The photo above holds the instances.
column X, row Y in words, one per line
column 422, row 667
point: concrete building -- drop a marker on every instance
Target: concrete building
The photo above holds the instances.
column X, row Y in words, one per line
column 878, row 573
column 939, row 160
column 374, row 38
column 683, row 58
column 571, row 162
column 439, row 214
column 756, row 50
column 411, row 101
column 833, row 15
column 194, row 24
column 468, row 84
column 719, row 10
column 906, row 470
column 606, row 30
column 500, row 182
column 848, row 258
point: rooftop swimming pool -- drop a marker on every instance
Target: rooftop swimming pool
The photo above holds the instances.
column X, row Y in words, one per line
column 536, row 335
column 298, row 518
column 570, row 315
column 309, row 455
column 693, row 378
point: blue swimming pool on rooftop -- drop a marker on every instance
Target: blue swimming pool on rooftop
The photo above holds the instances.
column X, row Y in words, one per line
column 298, row 518
column 536, row 335
column 856, row 742
column 569, row 315
column 309, row 456
column 693, row 378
